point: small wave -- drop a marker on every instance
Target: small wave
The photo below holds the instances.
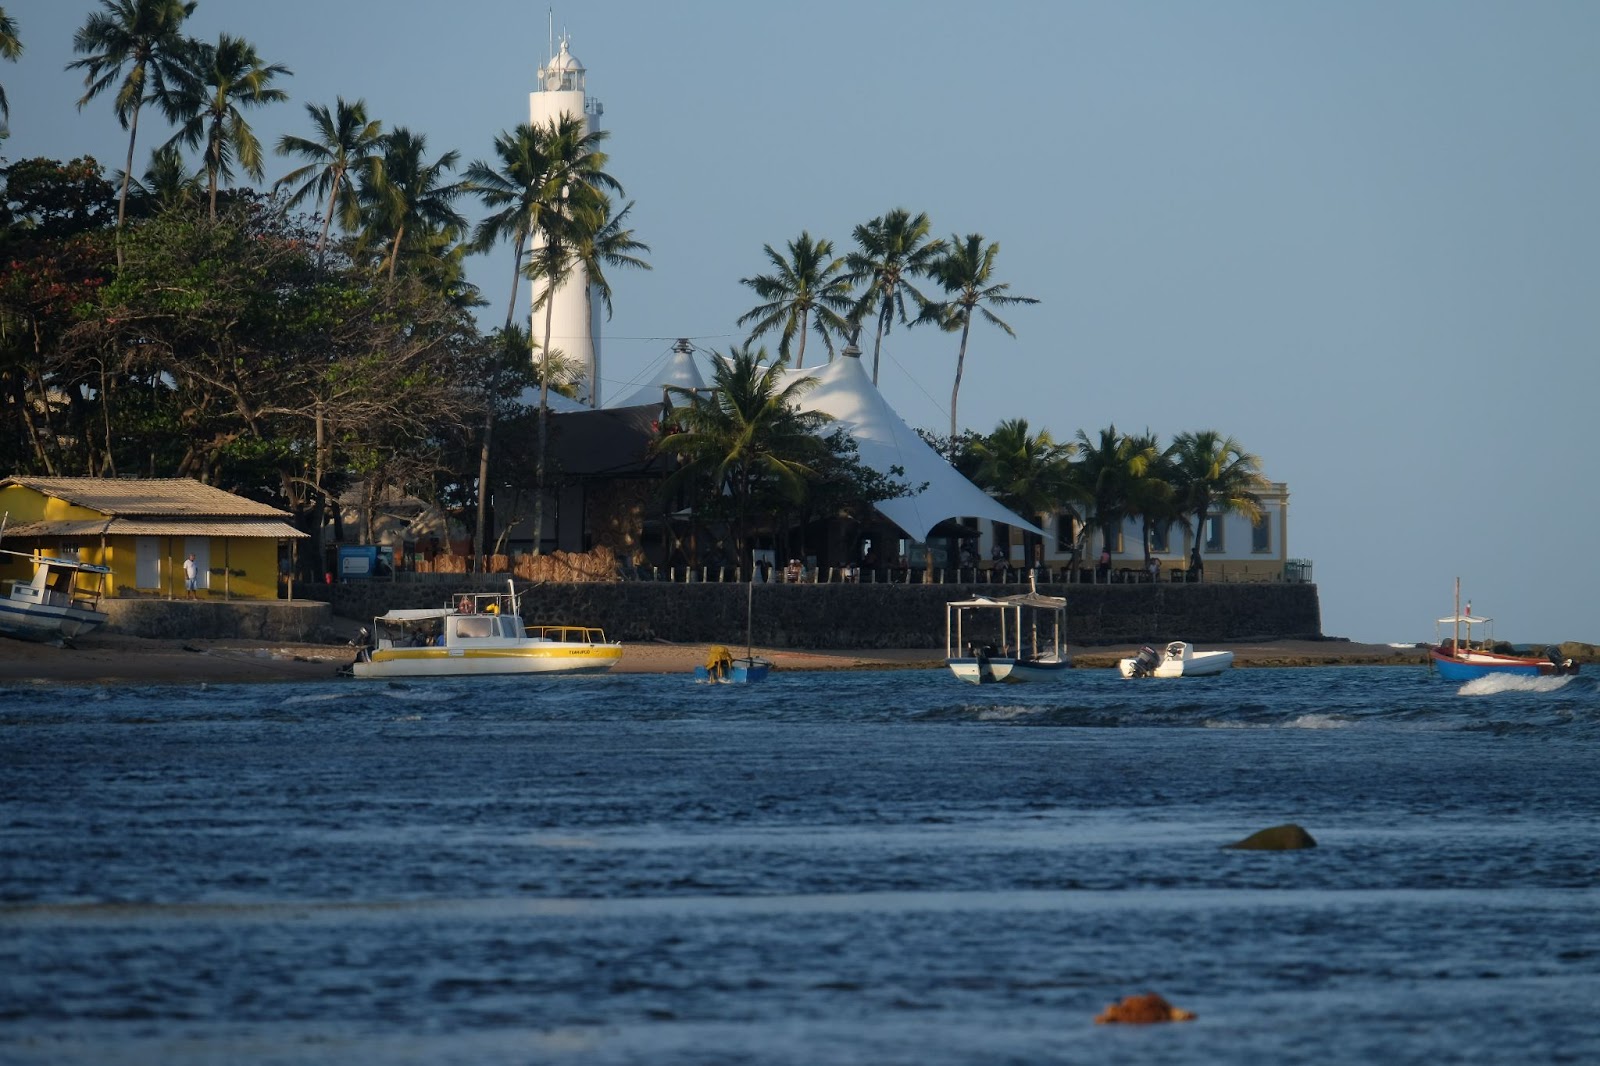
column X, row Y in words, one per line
column 1006, row 714
column 316, row 697
column 1498, row 683
column 1318, row 721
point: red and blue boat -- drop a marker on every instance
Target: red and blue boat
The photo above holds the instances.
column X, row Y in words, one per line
column 1461, row 657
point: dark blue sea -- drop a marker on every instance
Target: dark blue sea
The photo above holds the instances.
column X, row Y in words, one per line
column 852, row 868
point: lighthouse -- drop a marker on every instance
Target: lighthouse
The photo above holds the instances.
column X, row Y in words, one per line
column 575, row 311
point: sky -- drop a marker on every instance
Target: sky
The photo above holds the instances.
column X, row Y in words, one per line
column 1361, row 238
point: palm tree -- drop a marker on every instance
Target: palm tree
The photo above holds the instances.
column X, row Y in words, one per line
column 167, row 183
column 573, row 232
column 10, row 48
column 744, row 436
column 966, row 272
column 535, row 164
column 1150, row 495
column 406, row 192
column 345, row 140
column 1106, row 474
column 1028, row 472
column 891, row 250
column 207, row 103
column 1214, row 471
column 146, row 37
column 810, row 281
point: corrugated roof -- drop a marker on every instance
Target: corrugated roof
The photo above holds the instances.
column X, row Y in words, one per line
column 147, row 496
column 153, row 527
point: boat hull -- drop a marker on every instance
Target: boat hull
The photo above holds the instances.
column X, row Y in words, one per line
column 1469, row 666
column 995, row 669
column 484, row 662
column 33, row 621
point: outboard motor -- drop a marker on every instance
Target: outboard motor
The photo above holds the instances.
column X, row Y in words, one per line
column 1145, row 663
column 982, row 652
column 1563, row 666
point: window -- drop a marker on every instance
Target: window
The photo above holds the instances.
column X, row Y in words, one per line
column 1066, row 531
column 1213, row 532
column 1160, row 538
column 1261, row 534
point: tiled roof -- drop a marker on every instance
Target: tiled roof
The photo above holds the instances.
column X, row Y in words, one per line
column 155, row 527
column 147, row 497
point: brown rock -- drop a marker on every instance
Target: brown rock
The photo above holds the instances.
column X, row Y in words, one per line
column 1279, row 838
column 1142, row 1010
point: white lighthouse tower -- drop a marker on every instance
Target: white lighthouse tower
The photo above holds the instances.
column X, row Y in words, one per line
column 575, row 314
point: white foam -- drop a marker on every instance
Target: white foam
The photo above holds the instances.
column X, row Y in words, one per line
column 1492, row 684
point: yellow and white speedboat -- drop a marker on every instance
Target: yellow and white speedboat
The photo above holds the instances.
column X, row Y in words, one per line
column 478, row 633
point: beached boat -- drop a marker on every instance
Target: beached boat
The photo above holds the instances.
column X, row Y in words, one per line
column 721, row 667
column 1010, row 638
column 1179, row 660
column 478, row 634
column 1461, row 657
column 61, row 600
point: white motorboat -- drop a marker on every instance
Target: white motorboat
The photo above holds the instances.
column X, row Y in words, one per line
column 60, row 602
column 1179, row 660
column 1012, row 638
column 478, row 634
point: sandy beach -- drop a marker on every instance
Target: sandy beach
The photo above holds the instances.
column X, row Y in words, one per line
column 110, row 659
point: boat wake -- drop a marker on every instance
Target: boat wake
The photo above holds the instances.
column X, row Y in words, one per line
column 1495, row 684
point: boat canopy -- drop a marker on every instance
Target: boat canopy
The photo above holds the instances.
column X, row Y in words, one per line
column 417, row 614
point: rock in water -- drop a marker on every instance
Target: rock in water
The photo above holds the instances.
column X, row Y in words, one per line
column 1142, row 1010
column 1279, row 838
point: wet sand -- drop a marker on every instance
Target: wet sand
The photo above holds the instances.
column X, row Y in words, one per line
column 108, row 659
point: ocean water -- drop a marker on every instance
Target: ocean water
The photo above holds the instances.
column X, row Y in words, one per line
column 854, row 868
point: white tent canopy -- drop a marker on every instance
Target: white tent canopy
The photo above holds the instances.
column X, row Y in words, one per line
column 680, row 370
column 844, row 391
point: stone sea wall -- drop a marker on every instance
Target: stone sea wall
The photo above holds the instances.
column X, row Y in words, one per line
column 864, row 616
column 299, row 622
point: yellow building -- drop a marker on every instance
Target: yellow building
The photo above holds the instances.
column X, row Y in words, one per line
column 144, row 529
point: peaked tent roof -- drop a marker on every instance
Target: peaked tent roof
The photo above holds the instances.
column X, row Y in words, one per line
column 844, row 391
column 680, row 370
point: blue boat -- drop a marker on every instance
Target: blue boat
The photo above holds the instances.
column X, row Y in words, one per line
column 1461, row 658
column 722, row 668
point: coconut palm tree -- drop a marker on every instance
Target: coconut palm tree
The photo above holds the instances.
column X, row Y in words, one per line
column 167, row 183
column 891, row 251
column 743, row 437
column 1212, row 471
column 406, row 192
column 573, row 233
column 807, row 289
column 10, row 48
column 344, row 140
column 1106, row 474
column 1029, row 472
column 207, row 104
column 146, row 37
column 965, row 271
column 1150, row 495
column 535, row 163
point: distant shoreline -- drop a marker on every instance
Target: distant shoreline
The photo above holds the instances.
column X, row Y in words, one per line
column 102, row 659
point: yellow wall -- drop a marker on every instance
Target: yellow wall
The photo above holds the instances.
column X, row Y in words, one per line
column 256, row 557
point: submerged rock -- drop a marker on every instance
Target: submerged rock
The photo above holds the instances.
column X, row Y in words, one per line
column 1279, row 838
column 1142, row 1010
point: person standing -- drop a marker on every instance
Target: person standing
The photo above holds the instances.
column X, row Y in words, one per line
column 190, row 575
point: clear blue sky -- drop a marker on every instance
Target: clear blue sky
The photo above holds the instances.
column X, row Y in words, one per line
column 1363, row 238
